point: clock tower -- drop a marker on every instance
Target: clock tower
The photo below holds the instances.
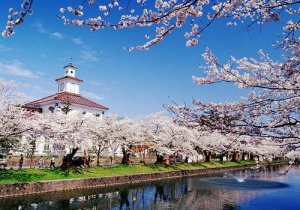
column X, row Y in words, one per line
column 69, row 83
column 68, row 92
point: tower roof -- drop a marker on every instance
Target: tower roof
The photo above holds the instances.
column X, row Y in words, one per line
column 69, row 77
column 70, row 65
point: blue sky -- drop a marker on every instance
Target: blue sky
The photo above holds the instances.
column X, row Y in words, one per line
column 128, row 83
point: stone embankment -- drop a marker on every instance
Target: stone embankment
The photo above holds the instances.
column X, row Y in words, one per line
column 29, row 188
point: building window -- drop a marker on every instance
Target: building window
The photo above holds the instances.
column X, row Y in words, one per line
column 61, row 86
column 51, row 109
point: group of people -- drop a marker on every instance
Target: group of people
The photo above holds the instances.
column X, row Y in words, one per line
column 41, row 162
column 52, row 162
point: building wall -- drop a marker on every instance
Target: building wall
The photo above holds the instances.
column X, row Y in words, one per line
column 75, row 109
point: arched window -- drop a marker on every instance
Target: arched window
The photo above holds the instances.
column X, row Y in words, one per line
column 62, row 87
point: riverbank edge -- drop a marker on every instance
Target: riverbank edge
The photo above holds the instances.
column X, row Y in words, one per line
column 41, row 187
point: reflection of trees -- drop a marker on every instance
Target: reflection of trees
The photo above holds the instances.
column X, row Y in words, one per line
column 185, row 193
column 63, row 204
column 159, row 192
column 230, row 206
column 167, row 194
column 124, row 199
column 138, row 198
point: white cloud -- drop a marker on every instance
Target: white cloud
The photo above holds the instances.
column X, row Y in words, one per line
column 36, row 91
column 3, row 48
column 89, row 55
column 57, row 35
column 91, row 95
column 33, row 87
column 43, row 30
column 16, row 69
column 40, row 73
column 107, row 89
column 43, row 56
column 96, row 83
column 77, row 41
column 40, row 28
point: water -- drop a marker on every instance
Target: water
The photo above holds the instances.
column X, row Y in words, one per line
column 271, row 192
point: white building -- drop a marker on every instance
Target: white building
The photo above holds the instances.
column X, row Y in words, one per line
column 67, row 97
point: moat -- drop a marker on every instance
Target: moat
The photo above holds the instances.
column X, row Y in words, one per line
column 243, row 189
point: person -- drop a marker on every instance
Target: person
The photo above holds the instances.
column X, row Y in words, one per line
column 41, row 162
column 94, row 160
column 21, row 162
column 256, row 159
column 88, row 161
column 52, row 163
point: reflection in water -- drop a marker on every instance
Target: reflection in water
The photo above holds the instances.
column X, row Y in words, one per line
column 250, row 183
column 185, row 193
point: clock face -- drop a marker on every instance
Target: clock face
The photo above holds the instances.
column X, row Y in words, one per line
column 61, row 86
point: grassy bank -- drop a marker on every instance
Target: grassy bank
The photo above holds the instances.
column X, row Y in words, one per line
column 31, row 175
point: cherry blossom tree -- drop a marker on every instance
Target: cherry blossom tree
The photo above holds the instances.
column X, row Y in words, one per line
column 264, row 149
column 123, row 134
column 271, row 108
column 113, row 133
column 100, row 130
column 239, row 147
column 294, row 156
column 16, row 18
column 166, row 16
column 70, row 130
column 268, row 76
column 212, row 143
column 166, row 137
column 14, row 119
column 33, row 138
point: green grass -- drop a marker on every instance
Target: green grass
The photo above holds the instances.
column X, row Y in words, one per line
column 30, row 175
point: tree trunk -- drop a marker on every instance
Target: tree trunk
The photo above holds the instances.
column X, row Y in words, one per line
column 67, row 160
column 98, row 158
column 234, row 157
column 251, row 158
column 207, row 155
column 159, row 159
column 31, row 154
column 126, row 156
column 221, row 157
